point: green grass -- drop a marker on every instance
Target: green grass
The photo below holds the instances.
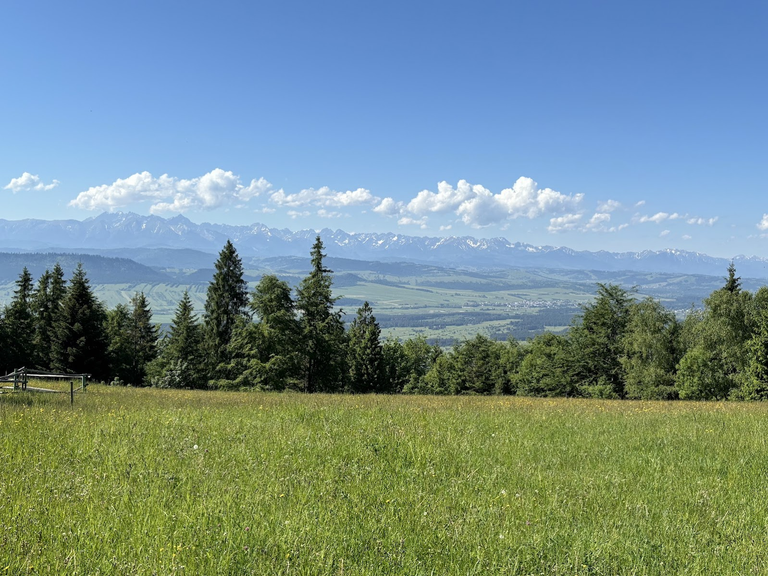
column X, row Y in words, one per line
column 143, row 481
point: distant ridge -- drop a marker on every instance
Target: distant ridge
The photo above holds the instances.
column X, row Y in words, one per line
column 100, row 270
column 122, row 234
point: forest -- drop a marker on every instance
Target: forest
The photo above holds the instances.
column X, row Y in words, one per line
column 272, row 339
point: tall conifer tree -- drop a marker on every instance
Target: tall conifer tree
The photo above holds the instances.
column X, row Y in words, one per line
column 366, row 356
column 19, row 323
column 80, row 343
column 143, row 339
column 118, row 328
column 322, row 328
column 180, row 362
column 46, row 306
column 184, row 338
column 226, row 301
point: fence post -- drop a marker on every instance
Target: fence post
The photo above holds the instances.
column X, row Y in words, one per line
column 84, row 384
column 71, row 392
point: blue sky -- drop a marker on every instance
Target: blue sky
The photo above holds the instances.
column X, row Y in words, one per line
column 595, row 125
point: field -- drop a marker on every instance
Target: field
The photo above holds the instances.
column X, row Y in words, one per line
column 409, row 299
column 145, row 481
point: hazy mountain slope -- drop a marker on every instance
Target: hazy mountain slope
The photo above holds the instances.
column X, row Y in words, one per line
column 100, row 270
column 149, row 240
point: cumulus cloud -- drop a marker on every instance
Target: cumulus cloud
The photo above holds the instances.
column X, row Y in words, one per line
column 703, row 221
column 598, row 222
column 478, row 207
column 524, row 200
column 296, row 214
column 323, row 213
column 408, row 221
column 640, row 203
column 564, row 223
column 609, row 206
column 447, row 197
column 686, row 237
column 388, row 207
column 29, row 181
column 664, row 233
column 170, row 194
column 660, row 217
column 324, row 197
column 763, row 224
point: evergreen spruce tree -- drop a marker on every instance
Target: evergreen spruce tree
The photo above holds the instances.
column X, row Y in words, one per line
column 271, row 346
column 732, row 282
column 597, row 343
column 41, row 340
column 46, row 306
column 119, row 350
column 184, row 338
column 5, row 365
column 143, row 339
column 366, row 355
column 226, row 301
column 80, row 343
column 322, row 329
column 19, row 324
column 180, row 363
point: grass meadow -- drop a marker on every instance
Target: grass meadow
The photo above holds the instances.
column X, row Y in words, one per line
column 146, row 481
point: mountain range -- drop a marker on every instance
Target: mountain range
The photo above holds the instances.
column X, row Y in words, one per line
column 177, row 241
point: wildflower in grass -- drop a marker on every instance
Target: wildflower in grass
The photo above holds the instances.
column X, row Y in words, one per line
column 194, row 447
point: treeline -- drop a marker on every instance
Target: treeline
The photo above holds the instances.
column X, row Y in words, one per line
column 618, row 347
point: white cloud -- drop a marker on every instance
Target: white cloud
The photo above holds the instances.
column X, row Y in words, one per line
column 763, row 224
column 255, row 188
column 323, row 213
column 170, row 194
column 524, row 200
column 447, row 197
column 29, row 181
column 388, row 207
column 608, row 206
column 660, row 217
column 598, row 222
column 686, row 237
column 703, row 221
column 324, row 197
column 448, row 227
column 640, row 203
column 408, row 221
column 564, row 223
column 295, row 214
column 664, row 233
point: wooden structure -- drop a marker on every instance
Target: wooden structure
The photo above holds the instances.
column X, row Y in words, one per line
column 21, row 376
